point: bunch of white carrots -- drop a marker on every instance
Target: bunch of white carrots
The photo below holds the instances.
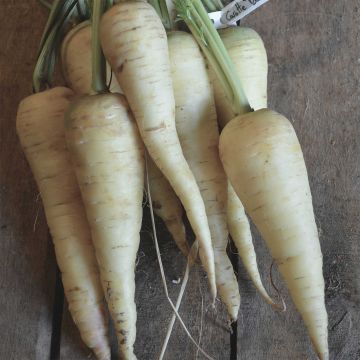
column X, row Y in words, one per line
column 179, row 112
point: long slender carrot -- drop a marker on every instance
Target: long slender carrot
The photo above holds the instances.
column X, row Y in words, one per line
column 197, row 127
column 108, row 157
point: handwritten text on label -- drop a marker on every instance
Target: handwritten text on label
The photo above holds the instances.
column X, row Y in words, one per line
column 238, row 9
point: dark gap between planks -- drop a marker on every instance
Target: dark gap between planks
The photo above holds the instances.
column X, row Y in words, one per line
column 58, row 306
column 232, row 252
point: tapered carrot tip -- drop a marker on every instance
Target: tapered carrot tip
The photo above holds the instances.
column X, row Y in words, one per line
column 278, row 307
column 177, row 230
column 102, row 352
column 324, row 356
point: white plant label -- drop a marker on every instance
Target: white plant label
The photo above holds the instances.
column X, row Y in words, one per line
column 215, row 18
column 238, row 9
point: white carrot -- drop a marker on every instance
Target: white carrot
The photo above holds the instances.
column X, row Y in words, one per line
column 76, row 61
column 40, row 126
column 167, row 206
column 199, row 137
column 247, row 51
column 264, row 162
column 108, row 158
column 134, row 42
column 76, row 66
column 248, row 54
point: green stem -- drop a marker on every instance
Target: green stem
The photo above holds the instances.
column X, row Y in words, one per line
column 40, row 75
column 210, row 7
column 213, row 5
column 82, row 8
column 98, row 59
column 218, row 4
column 199, row 23
column 45, row 64
column 57, row 10
column 162, row 10
column 221, row 5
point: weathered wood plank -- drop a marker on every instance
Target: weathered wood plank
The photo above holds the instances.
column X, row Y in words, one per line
column 26, row 255
column 314, row 72
column 155, row 312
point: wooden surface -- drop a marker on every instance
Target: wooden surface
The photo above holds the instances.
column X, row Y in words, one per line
column 314, row 79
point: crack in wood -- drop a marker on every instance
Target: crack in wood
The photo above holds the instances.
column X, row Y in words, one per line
column 57, row 318
column 232, row 253
column 340, row 321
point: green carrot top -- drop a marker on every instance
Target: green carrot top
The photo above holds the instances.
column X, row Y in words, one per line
column 196, row 18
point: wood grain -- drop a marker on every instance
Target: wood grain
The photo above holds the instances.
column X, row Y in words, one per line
column 314, row 72
column 27, row 261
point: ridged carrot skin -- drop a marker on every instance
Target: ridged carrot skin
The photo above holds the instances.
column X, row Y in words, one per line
column 264, row 162
column 135, row 44
column 239, row 229
column 167, row 206
column 76, row 65
column 198, row 132
column 40, row 126
column 76, row 61
column 246, row 50
column 108, row 158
